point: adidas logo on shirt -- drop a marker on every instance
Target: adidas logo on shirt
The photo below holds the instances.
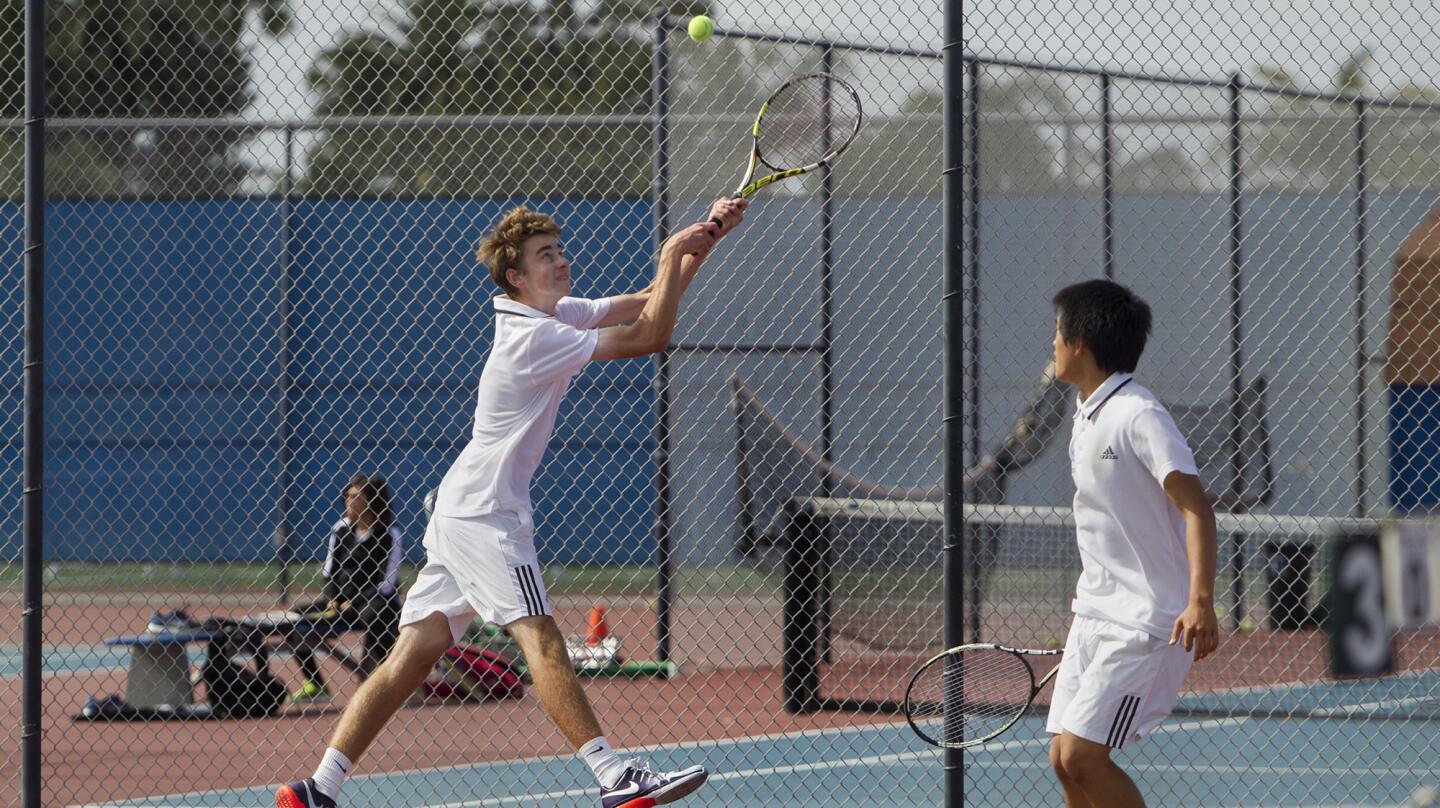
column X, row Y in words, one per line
column 1109, row 454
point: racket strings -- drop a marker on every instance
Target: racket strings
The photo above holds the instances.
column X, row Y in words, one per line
column 804, row 122
column 971, row 694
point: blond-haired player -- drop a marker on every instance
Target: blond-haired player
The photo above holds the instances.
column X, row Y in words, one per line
column 479, row 544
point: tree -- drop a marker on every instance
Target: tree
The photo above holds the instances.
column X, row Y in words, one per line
column 139, row 59
column 1305, row 143
column 1164, row 168
column 488, row 57
column 1028, row 139
column 715, row 92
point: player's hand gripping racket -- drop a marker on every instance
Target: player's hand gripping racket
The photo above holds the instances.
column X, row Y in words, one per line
column 802, row 126
column 987, row 689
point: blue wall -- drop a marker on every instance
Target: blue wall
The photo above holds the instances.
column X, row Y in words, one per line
column 164, row 370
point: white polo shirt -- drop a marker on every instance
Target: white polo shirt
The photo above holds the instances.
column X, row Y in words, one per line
column 529, row 369
column 1131, row 536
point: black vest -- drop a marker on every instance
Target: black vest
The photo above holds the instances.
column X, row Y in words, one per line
column 357, row 567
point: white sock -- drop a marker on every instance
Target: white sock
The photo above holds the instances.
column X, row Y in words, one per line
column 334, row 768
column 601, row 757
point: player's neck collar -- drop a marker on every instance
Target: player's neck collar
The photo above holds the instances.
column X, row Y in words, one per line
column 1102, row 394
column 505, row 304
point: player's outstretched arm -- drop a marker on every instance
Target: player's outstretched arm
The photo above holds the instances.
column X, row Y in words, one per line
column 650, row 333
column 625, row 308
column 680, row 259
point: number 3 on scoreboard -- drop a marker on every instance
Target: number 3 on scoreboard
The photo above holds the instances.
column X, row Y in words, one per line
column 1361, row 644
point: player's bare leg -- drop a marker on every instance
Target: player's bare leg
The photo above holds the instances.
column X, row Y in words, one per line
column 554, row 678
column 416, row 651
column 564, row 699
column 1088, row 765
column 1074, row 797
column 386, row 690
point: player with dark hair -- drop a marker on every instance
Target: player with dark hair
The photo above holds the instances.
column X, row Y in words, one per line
column 362, row 580
column 1145, row 599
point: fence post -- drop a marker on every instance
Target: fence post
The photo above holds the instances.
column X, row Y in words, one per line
column 660, row 100
column 1107, row 178
column 284, row 503
column 1361, row 258
column 955, row 191
column 1235, row 220
column 33, row 561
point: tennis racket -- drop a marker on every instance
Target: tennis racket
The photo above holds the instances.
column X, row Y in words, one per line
column 802, row 126
column 987, row 688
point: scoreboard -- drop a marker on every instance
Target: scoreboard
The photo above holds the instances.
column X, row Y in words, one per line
column 1383, row 581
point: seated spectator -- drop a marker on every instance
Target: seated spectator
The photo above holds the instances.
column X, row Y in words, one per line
column 362, row 576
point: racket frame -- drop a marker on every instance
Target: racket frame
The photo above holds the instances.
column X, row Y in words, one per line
column 1024, row 654
column 748, row 187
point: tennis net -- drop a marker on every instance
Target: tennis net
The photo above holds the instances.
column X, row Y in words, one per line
column 864, row 606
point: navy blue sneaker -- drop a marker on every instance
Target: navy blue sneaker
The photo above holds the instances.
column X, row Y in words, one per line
column 639, row 787
column 171, row 622
column 303, row 794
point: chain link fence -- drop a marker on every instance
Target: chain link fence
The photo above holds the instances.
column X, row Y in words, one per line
column 1271, row 196
column 260, row 282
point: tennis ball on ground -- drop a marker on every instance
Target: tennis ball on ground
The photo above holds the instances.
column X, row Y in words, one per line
column 701, row 28
column 1247, row 625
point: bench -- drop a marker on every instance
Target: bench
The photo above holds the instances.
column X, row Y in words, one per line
column 159, row 674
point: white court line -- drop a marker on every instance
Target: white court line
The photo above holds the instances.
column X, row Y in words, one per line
column 898, row 757
column 1302, row 684
column 1206, row 768
column 984, row 751
column 682, row 745
column 61, row 674
column 1350, row 709
column 1181, row 726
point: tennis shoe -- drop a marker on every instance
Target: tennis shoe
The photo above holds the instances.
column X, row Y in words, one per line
column 639, row 787
column 303, row 794
column 164, row 621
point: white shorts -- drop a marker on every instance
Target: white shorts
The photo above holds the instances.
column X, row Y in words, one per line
column 478, row 566
column 1115, row 684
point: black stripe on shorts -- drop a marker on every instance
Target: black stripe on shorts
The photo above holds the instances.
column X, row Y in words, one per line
column 1124, row 716
column 534, row 604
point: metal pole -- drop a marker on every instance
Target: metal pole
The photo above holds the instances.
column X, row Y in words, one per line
column 1237, row 460
column 659, row 66
column 284, row 529
column 1107, row 177
column 1361, row 258
column 827, row 269
column 974, row 560
column 827, row 327
column 954, row 311
column 33, row 493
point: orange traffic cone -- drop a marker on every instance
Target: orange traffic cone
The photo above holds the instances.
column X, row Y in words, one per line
column 598, row 630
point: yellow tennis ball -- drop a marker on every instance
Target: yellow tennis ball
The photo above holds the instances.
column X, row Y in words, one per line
column 701, row 28
column 1247, row 625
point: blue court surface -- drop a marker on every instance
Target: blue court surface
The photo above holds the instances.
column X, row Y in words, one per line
column 1188, row 762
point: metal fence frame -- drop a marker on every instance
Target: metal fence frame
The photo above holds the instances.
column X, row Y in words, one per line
column 962, row 168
